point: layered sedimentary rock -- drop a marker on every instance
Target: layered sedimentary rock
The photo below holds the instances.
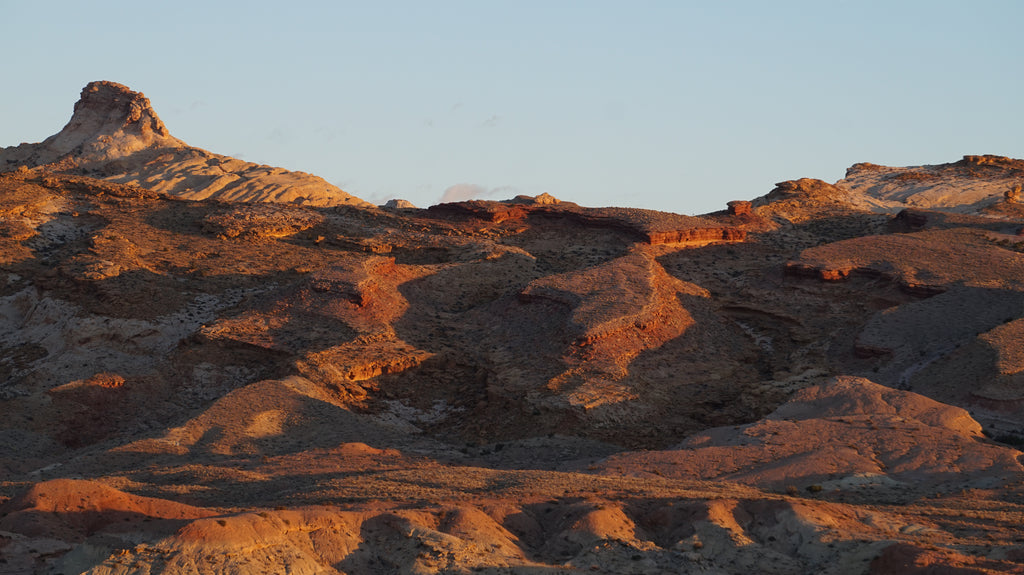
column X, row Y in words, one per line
column 807, row 382
column 116, row 135
column 971, row 185
column 650, row 226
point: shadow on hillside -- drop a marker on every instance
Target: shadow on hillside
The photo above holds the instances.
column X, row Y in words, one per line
column 393, row 544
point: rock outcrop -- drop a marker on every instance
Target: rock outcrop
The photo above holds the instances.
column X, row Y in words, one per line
column 924, row 262
column 398, row 204
column 650, row 226
column 115, row 134
column 619, row 310
column 110, row 122
column 518, row 386
column 968, row 186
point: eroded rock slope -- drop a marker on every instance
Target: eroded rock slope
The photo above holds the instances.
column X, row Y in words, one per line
column 115, row 134
column 809, row 382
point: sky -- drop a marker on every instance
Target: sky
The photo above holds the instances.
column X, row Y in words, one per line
column 670, row 105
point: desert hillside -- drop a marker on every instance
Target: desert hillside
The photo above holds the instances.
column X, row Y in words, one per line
column 209, row 366
column 115, row 135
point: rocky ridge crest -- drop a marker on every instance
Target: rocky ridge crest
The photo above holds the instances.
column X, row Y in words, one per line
column 116, row 135
column 802, row 383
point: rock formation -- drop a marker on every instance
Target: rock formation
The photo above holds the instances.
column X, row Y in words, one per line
column 966, row 186
column 399, row 204
column 825, row 379
column 114, row 134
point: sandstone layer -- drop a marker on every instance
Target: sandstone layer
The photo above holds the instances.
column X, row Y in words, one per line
column 826, row 379
column 976, row 183
column 114, row 134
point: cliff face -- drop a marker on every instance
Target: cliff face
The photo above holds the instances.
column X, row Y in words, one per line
column 116, row 135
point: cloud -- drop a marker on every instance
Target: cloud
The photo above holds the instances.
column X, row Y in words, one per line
column 462, row 192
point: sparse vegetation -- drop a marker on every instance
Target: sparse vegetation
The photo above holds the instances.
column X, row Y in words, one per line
column 505, row 385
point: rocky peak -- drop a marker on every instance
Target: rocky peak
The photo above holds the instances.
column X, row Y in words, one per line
column 399, row 204
column 115, row 135
column 118, row 107
column 111, row 120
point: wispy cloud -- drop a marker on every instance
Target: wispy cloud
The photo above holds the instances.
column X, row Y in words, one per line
column 463, row 192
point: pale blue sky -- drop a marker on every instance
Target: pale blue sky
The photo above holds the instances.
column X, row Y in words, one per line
column 678, row 106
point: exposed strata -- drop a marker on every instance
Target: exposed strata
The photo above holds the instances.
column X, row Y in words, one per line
column 115, row 135
column 924, row 262
column 619, row 309
column 649, row 226
column 796, row 201
column 520, row 386
column 970, row 185
column 524, row 523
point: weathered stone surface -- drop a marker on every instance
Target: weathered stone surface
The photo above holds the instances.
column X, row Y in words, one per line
column 847, row 433
column 968, row 186
column 519, row 386
column 740, row 208
column 116, row 135
column 650, row 226
column 399, row 204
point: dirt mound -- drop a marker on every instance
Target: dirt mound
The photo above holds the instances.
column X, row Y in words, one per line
column 71, row 510
column 269, row 418
column 905, row 558
column 848, row 396
column 847, row 434
column 724, row 535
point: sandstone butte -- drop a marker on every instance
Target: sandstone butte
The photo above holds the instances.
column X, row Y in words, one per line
column 210, row 366
column 116, row 135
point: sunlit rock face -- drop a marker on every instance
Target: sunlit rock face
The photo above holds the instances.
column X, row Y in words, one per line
column 826, row 379
column 114, row 134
